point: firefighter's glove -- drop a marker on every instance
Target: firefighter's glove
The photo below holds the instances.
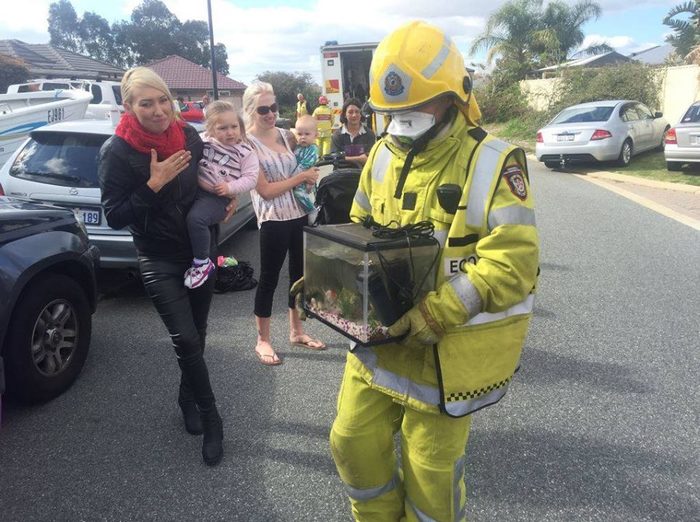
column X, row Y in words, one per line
column 418, row 326
column 297, row 292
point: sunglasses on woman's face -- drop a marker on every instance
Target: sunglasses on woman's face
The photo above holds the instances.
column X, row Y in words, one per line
column 264, row 109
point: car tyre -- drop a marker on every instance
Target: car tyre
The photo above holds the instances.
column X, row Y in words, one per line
column 552, row 164
column 674, row 166
column 49, row 339
column 623, row 160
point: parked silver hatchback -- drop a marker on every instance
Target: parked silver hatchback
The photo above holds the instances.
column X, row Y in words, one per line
column 610, row 130
column 58, row 165
column 683, row 140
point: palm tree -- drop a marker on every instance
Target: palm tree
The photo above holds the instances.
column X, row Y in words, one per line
column 525, row 36
column 508, row 34
column 562, row 30
column 687, row 32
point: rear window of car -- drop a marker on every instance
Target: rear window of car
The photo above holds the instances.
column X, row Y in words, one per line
column 64, row 159
column 583, row 115
column 692, row 115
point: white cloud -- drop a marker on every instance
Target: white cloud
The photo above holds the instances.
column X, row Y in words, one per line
column 288, row 37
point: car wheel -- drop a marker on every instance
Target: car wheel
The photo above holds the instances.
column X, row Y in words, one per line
column 625, row 156
column 49, row 339
column 552, row 164
column 674, row 166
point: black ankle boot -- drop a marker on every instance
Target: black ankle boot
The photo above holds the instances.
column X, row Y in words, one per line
column 212, row 445
column 190, row 414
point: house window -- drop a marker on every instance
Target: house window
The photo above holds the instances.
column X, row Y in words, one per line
column 221, row 93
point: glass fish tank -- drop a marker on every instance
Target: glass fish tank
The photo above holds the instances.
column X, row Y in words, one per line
column 360, row 282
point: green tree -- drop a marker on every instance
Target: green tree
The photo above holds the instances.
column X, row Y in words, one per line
column 95, row 36
column 64, row 26
column 152, row 29
column 153, row 32
column 508, row 34
column 525, row 36
column 221, row 58
column 288, row 85
column 627, row 81
column 12, row 71
column 562, row 32
column 686, row 31
column 193, row 40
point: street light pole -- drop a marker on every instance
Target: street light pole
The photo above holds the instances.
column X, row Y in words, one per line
column 213, row 59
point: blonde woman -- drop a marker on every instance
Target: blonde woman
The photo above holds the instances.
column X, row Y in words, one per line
column 148, row 176
column 280, row 217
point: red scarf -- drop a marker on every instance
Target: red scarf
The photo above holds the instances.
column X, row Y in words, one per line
column 166, row 144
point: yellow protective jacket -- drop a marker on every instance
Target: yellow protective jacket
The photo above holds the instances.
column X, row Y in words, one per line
column 324, row 120
column 487, row 269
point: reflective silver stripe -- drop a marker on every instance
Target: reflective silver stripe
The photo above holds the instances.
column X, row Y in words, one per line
column 437, row 62
column 465, row 407
column 363, row 495
column 523, row 307
column 467, row 293
column 484, row 171
column 441, row 236
column 382, row 159
column 362, row 200
column 511, row 215
column 459, row 508
column 422, row 517
column 390, row 380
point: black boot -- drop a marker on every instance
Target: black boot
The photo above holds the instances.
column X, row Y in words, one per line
column 190, row 413
column 212, row 445
column 195, row 370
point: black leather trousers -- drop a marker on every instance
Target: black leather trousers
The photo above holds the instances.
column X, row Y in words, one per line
column 184, row 313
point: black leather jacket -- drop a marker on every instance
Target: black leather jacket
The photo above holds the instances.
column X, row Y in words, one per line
column 156, row 220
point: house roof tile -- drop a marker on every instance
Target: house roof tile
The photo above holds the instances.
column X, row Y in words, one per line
column 47, row 60
column 180, row 73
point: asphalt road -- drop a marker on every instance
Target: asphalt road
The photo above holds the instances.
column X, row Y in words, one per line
column 601, row 423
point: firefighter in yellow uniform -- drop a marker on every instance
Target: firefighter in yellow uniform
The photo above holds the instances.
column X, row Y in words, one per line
column 463, row 340
column 324, row 123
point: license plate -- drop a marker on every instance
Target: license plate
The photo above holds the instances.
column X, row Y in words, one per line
column 89, row 216
column 565, row 137
column 695, row 140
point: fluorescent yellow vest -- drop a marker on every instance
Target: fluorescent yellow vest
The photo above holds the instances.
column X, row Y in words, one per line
column 487, row 268
column 324, row 120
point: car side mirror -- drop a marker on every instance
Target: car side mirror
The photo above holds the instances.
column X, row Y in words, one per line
column 658, row 114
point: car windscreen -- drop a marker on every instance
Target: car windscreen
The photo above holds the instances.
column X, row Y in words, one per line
column 58, row 158
column 692, row 115
column 583, row 115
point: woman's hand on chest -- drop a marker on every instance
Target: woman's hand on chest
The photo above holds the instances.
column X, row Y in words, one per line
column 162, row 172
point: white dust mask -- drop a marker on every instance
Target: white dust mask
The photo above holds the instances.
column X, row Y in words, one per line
column 410, row 124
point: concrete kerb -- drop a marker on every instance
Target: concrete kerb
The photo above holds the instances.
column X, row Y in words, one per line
column 623, row 178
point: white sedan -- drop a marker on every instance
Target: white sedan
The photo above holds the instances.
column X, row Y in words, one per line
column 683, row 140
column 610, row 130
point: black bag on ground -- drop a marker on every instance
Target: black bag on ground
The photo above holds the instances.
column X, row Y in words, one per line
column 335, row 194
column 234, row 278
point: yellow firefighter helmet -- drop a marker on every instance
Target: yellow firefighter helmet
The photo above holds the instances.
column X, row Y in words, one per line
column 415, row 64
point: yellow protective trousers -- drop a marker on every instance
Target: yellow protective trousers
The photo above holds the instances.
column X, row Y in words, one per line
column 324, row 145
column 430, row 485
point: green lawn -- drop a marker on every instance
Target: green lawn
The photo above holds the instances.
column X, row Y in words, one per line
column 650, row 165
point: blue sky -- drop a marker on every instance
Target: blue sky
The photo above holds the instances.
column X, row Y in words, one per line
column 262, row 35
